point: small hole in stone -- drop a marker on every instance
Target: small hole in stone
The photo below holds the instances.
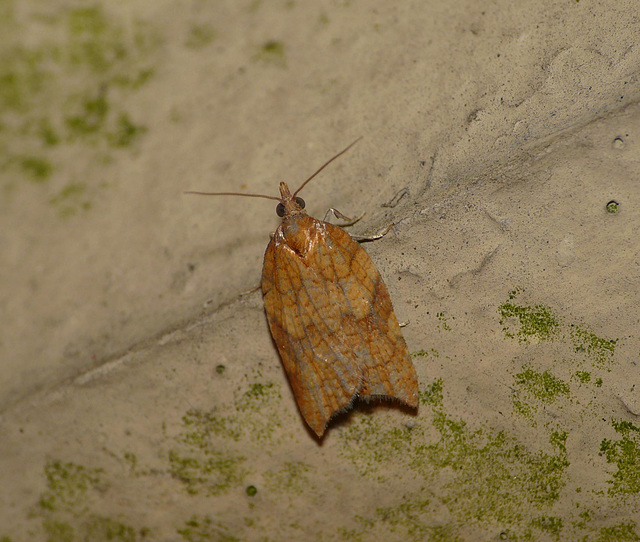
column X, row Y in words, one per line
column 251, row 491
column 618, row 143
column 613, row 207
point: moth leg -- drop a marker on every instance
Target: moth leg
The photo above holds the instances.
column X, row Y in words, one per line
column 397, row 197
column 338, row 214
column 248, row 292
column 367, row 238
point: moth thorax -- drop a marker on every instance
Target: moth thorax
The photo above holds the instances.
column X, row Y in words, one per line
column 299, row 233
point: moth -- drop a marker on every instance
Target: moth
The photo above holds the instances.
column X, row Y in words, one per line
column 330, row 315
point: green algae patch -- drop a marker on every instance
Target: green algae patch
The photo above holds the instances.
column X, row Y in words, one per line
column 597, row 349
column 58, row 531
column 68, row 484
column 205, row 462
column 69, row 89
column 494, row 475
column 94, row 528
column 621, row 532
column 431, row 353
column 583, row 377
column 213, row 473
column 625, row 454
column 549, row 525
column 132, row 460
column 201, row 427
column 89, row 116
column 482, row 476
column 71, row 199
column 404, row 522
column 206, row 456
column 203, row 528
column 199, row 36
column 527, row 323
column 532, row 388
column 252, row 410
column 101, row 528
column 443, row 322
column 37, row 169
column 367, row 444
column 65, row 507
column 272, row 52
column 291, row 477
column 125, row 131
column 257, row 396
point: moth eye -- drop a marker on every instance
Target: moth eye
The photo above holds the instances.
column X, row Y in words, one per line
column 300, row 203
column 280, row 210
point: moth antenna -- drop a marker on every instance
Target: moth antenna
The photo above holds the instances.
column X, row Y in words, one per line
column 231, row 194
column 325, row 165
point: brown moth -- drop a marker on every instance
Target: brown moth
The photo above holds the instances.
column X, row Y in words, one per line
column 330, row 315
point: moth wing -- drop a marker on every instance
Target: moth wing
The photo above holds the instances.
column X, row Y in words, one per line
column 305, row 313
column 333, row 323
column 375, row 334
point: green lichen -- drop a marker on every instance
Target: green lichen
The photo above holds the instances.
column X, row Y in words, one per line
column 625, row 453
column 204, row 461
column 200, row 35
column 71, row 199
column 68, row 87
column 532, row 388
column 203, row 528
column 291, row 477
column 548, row 524
column 272, row 52
column 202, row 427
column 214, row 473
column 48, row 134
column 68, row 484
column 58, row 531
column 257, row 396
column 132, row 461
column 22, row 76
column 90, row 115
column 583, row 377
column 65, row 508
column 92, row 527
column 621, row 532
column 443, row 322
column 101, row 528
column 94, row 42
column 125, row 132
column 38, row 169
column 407, row 519
column 599, row 350
column 367, row 444
column 431, row 353
column 527, row 323
column 490, row 479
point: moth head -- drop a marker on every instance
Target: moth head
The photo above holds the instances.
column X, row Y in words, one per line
column 289, row 205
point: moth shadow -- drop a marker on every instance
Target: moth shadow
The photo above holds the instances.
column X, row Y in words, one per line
column 366, row 406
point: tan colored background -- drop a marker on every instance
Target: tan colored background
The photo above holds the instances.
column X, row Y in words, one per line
column 511, row 125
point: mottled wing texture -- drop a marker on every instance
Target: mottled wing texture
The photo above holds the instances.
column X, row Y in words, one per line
column 332, row 320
